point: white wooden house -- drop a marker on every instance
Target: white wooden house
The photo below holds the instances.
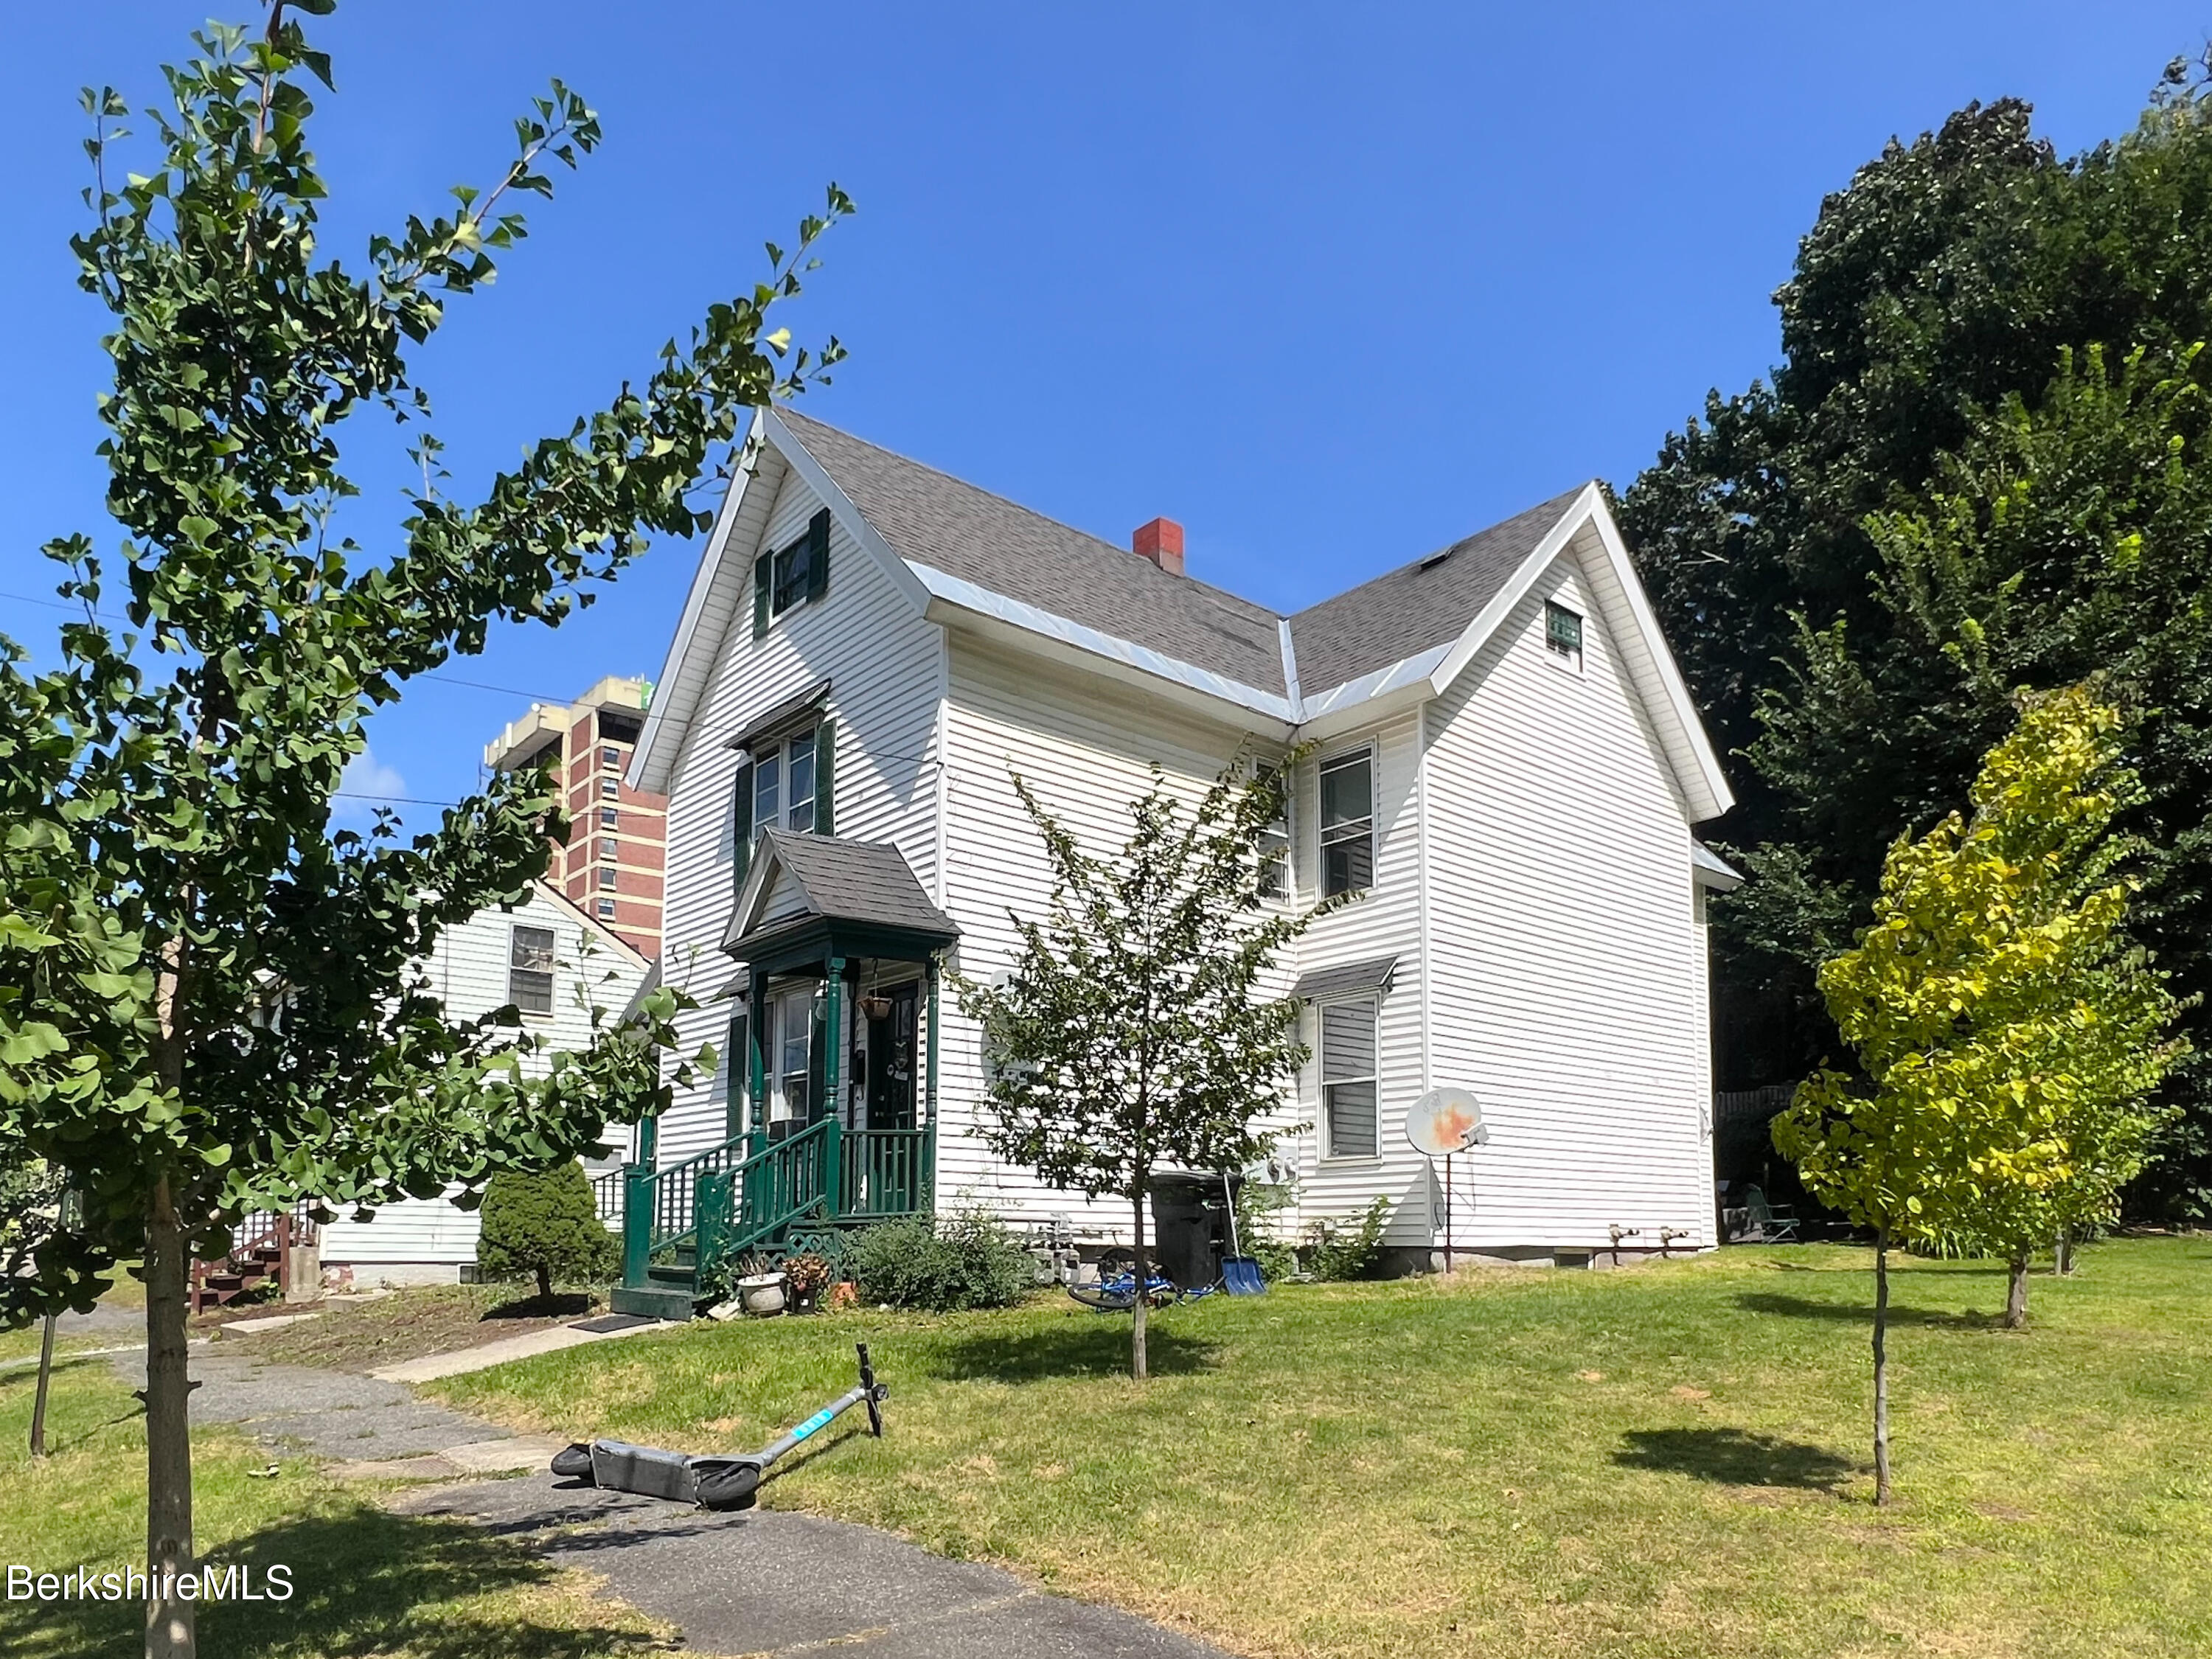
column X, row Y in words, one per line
column 553, row 962
column 1506, row 766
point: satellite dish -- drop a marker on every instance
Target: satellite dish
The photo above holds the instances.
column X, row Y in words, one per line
column 1445, row 1120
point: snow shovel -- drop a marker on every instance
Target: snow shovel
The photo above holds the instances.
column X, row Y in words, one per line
column 719, row 1483
column 1240, row 1274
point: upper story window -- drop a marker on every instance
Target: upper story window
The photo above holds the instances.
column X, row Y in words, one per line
column 1562, row 634
column 530, row 970
column 1348, row 1073
column 1347, row 825
column 791, row 576
column 1274, row 848
column 783, row 784
column 609, row 788
column 610, row 758
column 610, row 847
column 610, row 817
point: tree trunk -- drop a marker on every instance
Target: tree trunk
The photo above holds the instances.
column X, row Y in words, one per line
column 2016, row 1294
column 1880, row 1367
column 169, row 1626
column 545, row 1286
column 2062, row 1261
column 38, row 1401
column 1137, row 1313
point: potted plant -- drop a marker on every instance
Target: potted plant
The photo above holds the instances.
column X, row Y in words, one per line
column 760, row 1284
column 808, row 1275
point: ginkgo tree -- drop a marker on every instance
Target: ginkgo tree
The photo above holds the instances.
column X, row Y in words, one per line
column 2008, row 1035
column 207, row 1005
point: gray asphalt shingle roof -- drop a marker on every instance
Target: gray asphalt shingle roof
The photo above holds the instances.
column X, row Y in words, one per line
column 932, row 518
column 861, row 881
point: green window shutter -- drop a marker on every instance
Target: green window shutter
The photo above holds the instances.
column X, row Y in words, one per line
column 741, row 826
column 761, row 574
column 817, row 555
column 825, row 778
column 740, row 1065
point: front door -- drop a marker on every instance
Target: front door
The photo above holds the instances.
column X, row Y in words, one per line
column 891, row 1060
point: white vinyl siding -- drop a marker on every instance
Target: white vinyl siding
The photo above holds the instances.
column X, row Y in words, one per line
column 1569, row 989
column 886, row 666
column 472, row 971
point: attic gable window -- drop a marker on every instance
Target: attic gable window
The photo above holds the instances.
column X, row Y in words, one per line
column 1562, row 634
column 795, row 575
column 1347, row 825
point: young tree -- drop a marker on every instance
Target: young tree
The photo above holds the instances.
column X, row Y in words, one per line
column 1132, row 1033
column 2005, row 1038
column 205, row 1002
column 545, row 1225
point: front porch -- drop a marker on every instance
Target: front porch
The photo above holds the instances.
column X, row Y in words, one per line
column 831, row 1077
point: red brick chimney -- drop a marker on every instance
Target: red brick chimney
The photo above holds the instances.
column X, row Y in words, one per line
column 1160, row 541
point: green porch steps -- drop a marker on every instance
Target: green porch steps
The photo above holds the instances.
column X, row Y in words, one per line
column 680, row 1223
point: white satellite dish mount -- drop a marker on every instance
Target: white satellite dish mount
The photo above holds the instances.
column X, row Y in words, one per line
column 1441, row 1123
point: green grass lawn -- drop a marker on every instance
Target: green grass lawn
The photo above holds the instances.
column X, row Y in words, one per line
column 367, row 1582
column 1670, row 1461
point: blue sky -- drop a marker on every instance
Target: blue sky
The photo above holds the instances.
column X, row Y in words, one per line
column 1330, row 285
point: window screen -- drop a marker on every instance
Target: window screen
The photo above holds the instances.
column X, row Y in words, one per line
column 1348, row 1078
column 530, row 970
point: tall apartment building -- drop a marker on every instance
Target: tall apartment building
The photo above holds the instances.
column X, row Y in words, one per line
column 617, row 850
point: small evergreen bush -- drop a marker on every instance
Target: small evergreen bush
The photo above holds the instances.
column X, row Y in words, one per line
column 1334, row 1253
column 940, row 1264
column 547, row 1225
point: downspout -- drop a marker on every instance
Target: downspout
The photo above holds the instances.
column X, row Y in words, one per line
column 1421, row 900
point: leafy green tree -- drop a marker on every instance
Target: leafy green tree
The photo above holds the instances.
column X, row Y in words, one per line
column 1940, row 337
column 545, row 1225
column 206, row 1003
column 2005, row 1037
column 1131, row 1034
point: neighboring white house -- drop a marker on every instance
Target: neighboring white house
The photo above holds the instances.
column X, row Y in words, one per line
column 553, row 962
column 1506, row 766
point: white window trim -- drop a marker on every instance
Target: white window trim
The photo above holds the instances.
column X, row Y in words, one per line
column 1288, row 897
column 1373, row 751
column 1560, row 659
column 552, row 1009
column 1324, row 1156
column 782, row 749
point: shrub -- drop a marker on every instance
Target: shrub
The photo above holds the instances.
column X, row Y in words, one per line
column 940, row 1264
column 1258, row 1203
column 545, row 1225
column 1355, row 1251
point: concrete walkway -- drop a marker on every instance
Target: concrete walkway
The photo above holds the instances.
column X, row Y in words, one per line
column 760, row 1582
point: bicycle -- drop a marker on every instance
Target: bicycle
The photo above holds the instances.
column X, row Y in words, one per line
column 1115, row 1291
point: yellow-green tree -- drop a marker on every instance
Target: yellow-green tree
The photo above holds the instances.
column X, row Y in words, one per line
column 2007, row 1036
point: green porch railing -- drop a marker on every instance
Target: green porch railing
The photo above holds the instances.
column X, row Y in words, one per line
column 727, row 1200
column 886, row 1173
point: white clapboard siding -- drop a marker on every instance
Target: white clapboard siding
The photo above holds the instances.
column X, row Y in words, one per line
column 885, row 665
column 1386, row 920
column 1567, row 954
column 468, row 970
column 1085, row 748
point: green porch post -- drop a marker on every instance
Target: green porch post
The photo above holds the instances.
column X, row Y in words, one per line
column 637, row 1222
column 928, row 1182
column 649, row 1141
column 757, row 1061
column 833, row 1047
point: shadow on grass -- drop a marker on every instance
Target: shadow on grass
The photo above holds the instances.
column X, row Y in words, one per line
column 1097, row 1347
column 560, row 1305
column 1861, row 1313
column 364, row 1582
column 1734, row 1457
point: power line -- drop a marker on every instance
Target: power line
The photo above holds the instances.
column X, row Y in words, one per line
column 427, row 674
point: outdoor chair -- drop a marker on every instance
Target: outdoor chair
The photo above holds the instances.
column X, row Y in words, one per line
column 1763, row 1222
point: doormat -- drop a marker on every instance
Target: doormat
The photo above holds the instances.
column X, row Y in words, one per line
column 606, row 1322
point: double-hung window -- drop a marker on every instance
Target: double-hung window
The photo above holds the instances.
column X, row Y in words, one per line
column 795, row 575
column 791, row 1052
column 783, row 784
column 1347, row 1079
column 609, row 788
column 1347, row 825
column 610, row 758
column 610, row 817
column 1274, row 849
column 530, row 970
